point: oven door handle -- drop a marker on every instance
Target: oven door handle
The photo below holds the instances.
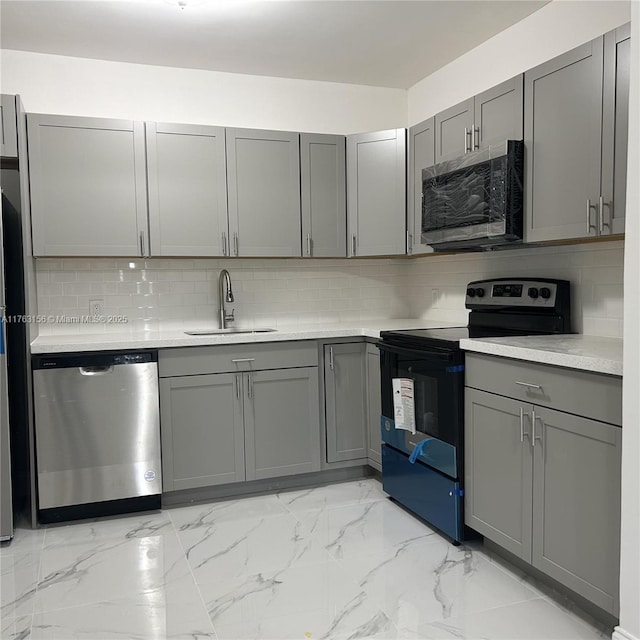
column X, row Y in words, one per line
column 435, row 355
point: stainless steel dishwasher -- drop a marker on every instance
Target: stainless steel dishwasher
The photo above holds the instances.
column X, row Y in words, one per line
column 97, row 434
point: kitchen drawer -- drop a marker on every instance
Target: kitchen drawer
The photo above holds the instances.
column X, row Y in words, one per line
column 582, row 393
column 230, row 358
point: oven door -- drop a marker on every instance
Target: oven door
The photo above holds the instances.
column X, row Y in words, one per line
column 438, row 388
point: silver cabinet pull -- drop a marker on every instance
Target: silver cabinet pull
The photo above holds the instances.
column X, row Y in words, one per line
column 353, row 244
column 235, row 243
column 142, row 243
column 601, row 223
column 521, row 424
column 535, row 437
column 308, row 244
column 331, row 358
column 249, row 386
column 467, row 140
column 476, row 137
column 529, row 385
column 243, row 360
column 224, row 243
column 589, row 225
column 409, row 242
column 238, row 386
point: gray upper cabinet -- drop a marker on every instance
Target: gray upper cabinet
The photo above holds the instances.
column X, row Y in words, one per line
column 324, row 198
column 498, row 114
column 345, row 392
column 263, row 177
column 576, row 504
column 8, row 127
column 498, row 465
column 563, row 135
column 374, row 407
column 615, row 131
column 376, row 193
column 282, row 422
column 453, row 131
column 88, row 186
column 421, row 155
column 187, row 182
column 202, row 431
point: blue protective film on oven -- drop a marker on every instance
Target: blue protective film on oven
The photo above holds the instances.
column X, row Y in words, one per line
column 436, row 453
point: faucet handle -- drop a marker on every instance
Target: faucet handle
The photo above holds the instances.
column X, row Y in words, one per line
column 230, row 317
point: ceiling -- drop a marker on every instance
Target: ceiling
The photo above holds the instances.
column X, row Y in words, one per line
column 387, row 43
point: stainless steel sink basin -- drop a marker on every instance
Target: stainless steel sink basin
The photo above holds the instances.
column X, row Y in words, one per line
column 224, row 332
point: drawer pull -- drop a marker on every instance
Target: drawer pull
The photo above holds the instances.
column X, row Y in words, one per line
column 243, row 360
column 529, row 385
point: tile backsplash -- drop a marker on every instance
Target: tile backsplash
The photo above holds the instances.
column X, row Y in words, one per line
column 152, row 292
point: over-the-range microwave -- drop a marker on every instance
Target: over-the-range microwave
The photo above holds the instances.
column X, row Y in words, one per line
column 475, row 201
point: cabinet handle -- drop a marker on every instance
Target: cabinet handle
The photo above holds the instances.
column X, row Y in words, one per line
column 238, row 386
column 521, row 424
column 142, row 243
column 409, row 242
column 331, row 358
column 476, row 136
column 235, row 243
column 353, row 244
column 467, row 147
column 249, row 386
column 308, row 244
column 588, row 210
column 224, row 243
column 601, row 223
column 243, row 360
column 529, row 385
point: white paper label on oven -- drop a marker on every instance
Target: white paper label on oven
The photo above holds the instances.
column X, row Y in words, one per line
column 403, row 405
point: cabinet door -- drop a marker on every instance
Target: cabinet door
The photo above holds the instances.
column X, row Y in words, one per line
column 282, row 422
column 345, row 411
column 498, row 470
column 576, row 504
column 8, row 127
column 263, row 173
column 615, row 132
column 88, row 187
column 374, row 407
column 498, row 114
column 453, row 131
column 376, row 193
column 202, row 432
column 421, row 155
column 324, row 199
column 562, row 132
column 187, row 179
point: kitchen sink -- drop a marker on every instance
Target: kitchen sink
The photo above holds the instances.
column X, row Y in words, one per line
column 224, row 332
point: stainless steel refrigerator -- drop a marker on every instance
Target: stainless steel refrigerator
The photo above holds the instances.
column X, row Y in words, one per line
column 6, row 503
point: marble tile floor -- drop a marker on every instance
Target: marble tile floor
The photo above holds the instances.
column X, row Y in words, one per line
column 340, row 562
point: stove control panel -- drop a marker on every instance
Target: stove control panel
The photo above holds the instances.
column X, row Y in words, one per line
column 517, row 292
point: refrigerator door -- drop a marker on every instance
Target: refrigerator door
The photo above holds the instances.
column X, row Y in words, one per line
column 6, row 508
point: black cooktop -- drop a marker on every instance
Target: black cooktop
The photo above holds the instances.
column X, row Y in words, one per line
column 444, row 337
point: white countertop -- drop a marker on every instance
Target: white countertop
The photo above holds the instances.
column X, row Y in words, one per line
column 589, row 353
column 174, row 336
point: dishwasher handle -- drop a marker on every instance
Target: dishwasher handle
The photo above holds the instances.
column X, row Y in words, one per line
column 95, row 371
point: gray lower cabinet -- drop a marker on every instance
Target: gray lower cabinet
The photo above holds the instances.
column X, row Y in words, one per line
column 345, row 410
column 324, row 199
column 421, row 155
column 202, row 431
column 281, row 417
column 8, row 127
column 187, row 183
column 545, row 484
column 376, row 193
column 374, row 407
column 88, row 186
column 263, row 178
column 229, row 414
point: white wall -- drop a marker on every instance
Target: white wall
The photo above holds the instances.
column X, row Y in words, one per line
column 79, row 86
column 630, row 538
column 559, row 26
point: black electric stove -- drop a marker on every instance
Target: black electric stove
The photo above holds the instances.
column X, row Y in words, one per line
column 422, row 370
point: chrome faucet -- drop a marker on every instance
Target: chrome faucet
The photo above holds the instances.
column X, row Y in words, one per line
column 225, row 294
